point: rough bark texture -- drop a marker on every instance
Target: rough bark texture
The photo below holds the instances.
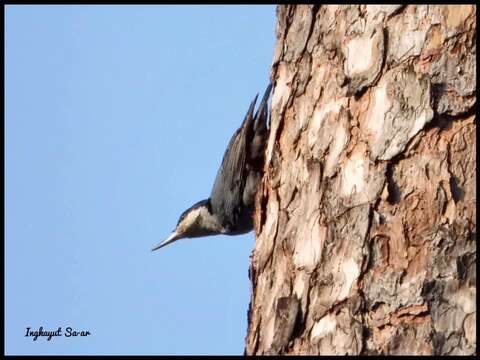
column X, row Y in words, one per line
column 366, row 221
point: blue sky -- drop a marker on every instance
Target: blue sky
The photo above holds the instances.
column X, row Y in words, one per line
column 116, row 120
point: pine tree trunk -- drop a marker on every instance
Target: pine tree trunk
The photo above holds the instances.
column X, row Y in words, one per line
column 366, row 220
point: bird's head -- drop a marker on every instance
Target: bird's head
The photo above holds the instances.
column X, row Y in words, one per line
column 196, row 221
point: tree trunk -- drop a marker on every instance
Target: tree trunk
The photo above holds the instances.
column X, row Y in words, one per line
column 366, row 217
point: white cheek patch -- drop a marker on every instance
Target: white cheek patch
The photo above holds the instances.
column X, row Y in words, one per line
column 188, row 221
column 208, row 220
column 199, row 219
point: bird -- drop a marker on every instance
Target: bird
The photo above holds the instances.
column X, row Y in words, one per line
column 229, row 209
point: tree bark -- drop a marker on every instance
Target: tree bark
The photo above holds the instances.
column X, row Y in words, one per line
column 366, row 219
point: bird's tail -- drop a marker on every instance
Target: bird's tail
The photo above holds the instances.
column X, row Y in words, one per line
column 262, row 112
column 260, row 133
column 247, row 122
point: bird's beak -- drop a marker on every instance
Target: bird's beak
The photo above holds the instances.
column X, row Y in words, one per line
column 173, row 236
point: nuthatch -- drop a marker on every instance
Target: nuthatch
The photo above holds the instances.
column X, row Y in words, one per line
column 229, row 209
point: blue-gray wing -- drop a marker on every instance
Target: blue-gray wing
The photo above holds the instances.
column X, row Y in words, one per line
column 234, row 189
column 227, row 191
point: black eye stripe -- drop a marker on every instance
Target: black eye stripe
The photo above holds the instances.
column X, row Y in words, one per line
column 182, row 217
column 194, row 206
